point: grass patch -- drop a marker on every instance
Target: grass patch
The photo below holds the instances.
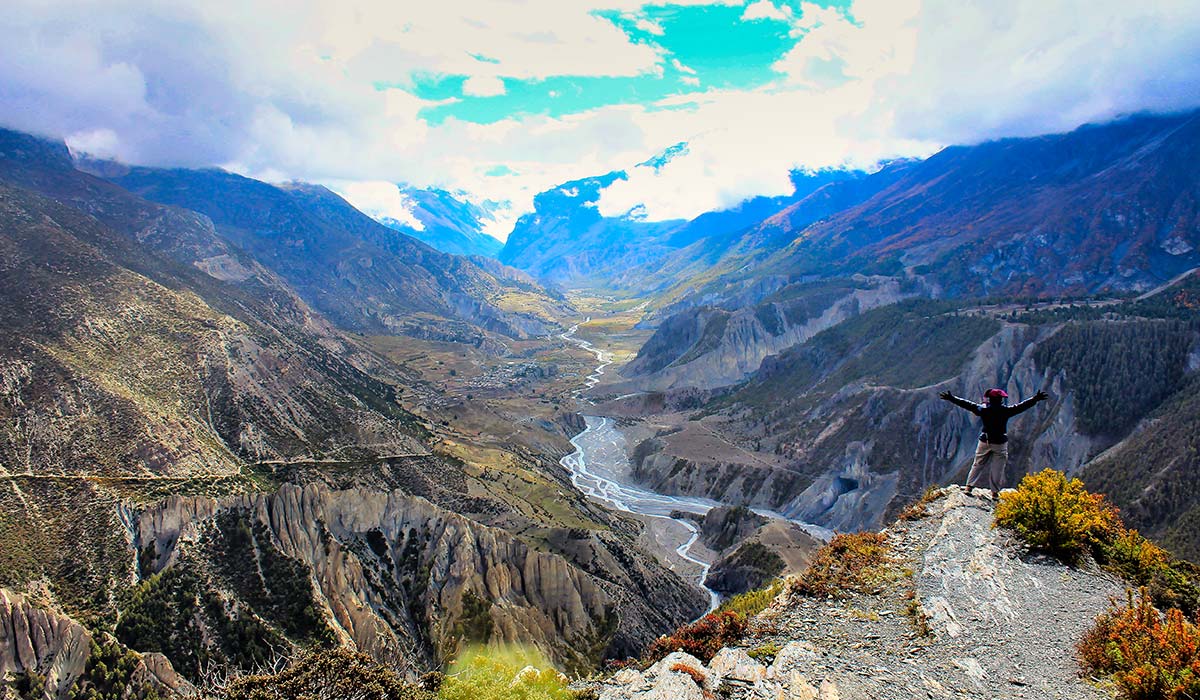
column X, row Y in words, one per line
column 850, row 563
column 765, row 653
column 919, row 508
column 916, row 613
column 503, row 673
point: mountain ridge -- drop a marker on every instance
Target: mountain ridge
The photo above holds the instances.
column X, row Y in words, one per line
column 447, row 222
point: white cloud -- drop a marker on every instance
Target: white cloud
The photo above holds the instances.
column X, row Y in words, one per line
column 379, row 200
column 483, row 86
column 98, row 143
column 679, row 66
column 765, row 9
column 292, row 94
column 649, row 26
column 745, row 143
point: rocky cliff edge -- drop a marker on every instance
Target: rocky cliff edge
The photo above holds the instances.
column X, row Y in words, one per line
column 968, row 614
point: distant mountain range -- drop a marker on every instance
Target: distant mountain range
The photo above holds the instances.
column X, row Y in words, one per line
column 566, row 240
column 449, row 223
column 363, row 275
column 1111, row 207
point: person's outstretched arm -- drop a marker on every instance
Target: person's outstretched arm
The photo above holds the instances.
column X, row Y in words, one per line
column 960, row 402
column 1027, row 403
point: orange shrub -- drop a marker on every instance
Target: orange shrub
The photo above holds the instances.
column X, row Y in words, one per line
column 702, row 638
column 1057, row 516
column 849, row 563
column 920, row 508
column 1170, row 583
column 696, row 674
column 1150, row 656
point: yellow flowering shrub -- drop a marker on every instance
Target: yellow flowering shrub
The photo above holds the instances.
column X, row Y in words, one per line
column 1057, row 515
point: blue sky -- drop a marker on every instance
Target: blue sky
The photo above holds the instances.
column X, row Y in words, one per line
column 501, row 99
column 703, row 47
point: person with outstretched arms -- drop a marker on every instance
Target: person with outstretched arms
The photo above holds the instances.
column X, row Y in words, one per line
column 991, row 456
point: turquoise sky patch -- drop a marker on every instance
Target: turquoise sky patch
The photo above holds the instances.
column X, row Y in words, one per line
column 702, row 47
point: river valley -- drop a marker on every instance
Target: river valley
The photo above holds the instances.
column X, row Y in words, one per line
column 600, row 468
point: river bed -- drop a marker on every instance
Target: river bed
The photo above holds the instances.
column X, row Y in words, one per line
column 599, row 467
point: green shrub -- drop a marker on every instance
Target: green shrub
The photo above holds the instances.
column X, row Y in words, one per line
column 765, row 653
column 1168, row 582
column 751, row 603
column 1057, row 516
column 503, row 673
column 850, row 563
column 1150, row 656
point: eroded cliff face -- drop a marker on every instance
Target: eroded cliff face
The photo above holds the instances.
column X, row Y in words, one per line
column 405, row 580
column 710, row 348
column 844, row 459
column 35, row 640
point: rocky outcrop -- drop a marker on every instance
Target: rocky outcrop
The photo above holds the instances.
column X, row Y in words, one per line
column 725, row 526
column 975, row 616
column 38, row 641
column 729, row 481
column 681, row 676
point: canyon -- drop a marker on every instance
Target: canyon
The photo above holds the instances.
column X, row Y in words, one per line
column 242, row 419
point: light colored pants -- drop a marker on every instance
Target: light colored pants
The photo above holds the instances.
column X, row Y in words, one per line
column 987, row 472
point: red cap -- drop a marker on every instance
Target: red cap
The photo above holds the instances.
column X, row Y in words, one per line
column 996, row 393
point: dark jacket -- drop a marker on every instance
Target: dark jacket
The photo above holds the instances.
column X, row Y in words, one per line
column 995, row 417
